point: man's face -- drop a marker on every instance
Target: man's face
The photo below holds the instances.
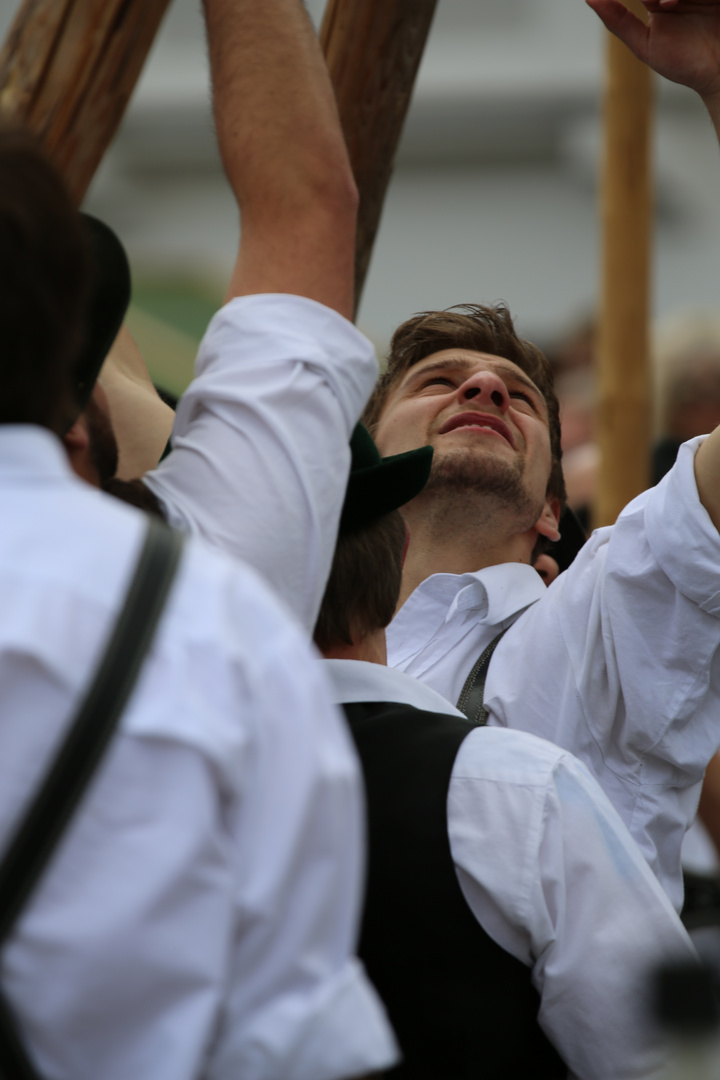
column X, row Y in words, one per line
column 486, row 420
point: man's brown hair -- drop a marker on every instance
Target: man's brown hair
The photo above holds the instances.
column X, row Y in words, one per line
column 364, row 584
column 478, row 328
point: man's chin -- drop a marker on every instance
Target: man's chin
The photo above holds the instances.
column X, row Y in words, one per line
column 489, row 473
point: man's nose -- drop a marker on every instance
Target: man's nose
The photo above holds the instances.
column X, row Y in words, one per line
column 488, row 387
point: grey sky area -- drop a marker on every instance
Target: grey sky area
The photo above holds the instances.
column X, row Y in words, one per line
column 495, row 190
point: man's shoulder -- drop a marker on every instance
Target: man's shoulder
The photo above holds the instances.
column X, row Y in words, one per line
column 64, row 572
column 87, row 550
column 507, row 756
column 412, row 716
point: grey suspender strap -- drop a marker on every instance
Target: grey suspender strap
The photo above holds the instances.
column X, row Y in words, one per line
column 68, row 776
column 472, row 695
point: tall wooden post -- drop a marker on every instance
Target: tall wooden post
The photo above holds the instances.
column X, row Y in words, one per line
column 67, row 71
column 373, row 49
column 624, row 409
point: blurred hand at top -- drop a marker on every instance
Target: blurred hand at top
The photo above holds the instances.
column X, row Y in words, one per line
column 681, row 40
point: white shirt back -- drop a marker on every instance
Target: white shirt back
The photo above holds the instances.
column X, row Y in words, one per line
column 200, row 913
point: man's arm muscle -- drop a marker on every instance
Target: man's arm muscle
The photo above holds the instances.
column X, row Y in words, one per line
column 283, row 151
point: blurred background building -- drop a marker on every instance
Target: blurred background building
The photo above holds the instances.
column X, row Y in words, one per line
column 494, row 194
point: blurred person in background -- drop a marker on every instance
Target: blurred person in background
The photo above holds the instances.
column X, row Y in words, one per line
column 572, row 358
column 686, row 369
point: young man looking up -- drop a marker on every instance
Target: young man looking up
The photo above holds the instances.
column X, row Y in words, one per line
column 617, row 660
column 509, row 917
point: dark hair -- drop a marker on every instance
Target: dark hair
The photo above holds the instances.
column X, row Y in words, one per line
column 136, row 494
column 44, row 271
column 479, row 328
column 364, row 585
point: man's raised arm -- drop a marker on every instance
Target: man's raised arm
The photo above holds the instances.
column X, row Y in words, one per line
column 681, row 42
column 260, row 447
column 283, row 151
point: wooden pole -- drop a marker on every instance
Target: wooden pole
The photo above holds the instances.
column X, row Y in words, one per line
column 373, row 49
column 624, row 405
column 67, row 71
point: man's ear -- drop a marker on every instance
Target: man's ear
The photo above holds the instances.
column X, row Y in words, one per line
column 547, row 524
column 76, row 441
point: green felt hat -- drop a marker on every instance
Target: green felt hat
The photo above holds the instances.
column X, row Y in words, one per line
column 108, row 302
column 378, row 485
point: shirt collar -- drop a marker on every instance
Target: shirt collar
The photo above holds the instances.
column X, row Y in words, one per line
column 493, row 594
column 356, row 681
column 30, row 454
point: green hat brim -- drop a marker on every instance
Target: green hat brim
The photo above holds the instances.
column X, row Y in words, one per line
column 376, row 485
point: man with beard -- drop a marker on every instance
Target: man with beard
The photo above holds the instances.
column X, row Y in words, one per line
column 260, row 442
column 510, row 924
column 616, row 662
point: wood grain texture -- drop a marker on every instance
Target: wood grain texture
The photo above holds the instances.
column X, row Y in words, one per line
column 67, row 71
column 624, row 398
column 373, row 50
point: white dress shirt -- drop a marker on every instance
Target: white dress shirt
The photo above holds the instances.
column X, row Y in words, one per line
column 617, row 661
column 260, row 445
column 199, row 916
column 553, row 876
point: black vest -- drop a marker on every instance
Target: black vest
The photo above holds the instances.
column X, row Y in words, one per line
column 461, row 1006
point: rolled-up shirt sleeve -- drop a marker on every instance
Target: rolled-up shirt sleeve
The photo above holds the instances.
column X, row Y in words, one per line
column 260, row 454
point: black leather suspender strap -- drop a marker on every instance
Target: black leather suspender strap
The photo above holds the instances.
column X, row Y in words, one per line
column 68, row 776
column 472, row 695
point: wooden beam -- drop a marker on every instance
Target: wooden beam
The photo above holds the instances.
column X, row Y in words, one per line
column 373, row 49
column 624, row 392
column 67, row 71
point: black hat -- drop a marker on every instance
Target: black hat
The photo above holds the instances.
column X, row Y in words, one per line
column 107, row 305
column 379, row 485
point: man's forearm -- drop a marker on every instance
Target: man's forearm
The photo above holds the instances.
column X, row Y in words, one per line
column 283, row 151
column 142, row 422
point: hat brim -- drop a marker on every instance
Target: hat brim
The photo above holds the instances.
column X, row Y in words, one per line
column 380, row 488
column 110, row 289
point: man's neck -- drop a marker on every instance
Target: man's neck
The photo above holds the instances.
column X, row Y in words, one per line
column 442, row 543
column 372, row 649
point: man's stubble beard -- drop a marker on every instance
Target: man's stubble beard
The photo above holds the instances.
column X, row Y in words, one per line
column 467, row 486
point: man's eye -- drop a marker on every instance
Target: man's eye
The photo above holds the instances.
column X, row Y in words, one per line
column 523, row 397
column 439, row 380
